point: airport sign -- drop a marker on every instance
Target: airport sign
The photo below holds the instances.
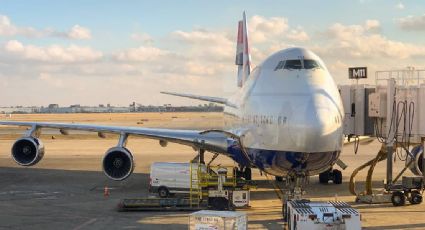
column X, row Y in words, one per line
column 357, row 72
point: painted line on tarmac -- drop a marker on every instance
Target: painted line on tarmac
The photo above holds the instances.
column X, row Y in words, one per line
column 91, row 221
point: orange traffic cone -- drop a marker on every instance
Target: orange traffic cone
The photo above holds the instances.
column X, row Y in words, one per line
column 106, row 191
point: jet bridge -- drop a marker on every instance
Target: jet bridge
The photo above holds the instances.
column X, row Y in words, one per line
column 393, row 111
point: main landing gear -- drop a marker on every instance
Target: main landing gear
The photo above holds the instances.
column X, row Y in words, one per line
column 334, row 175
column 245, row 173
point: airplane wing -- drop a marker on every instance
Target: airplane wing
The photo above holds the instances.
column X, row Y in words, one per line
column 218, row 100
column 118, row 163
column 212, row 141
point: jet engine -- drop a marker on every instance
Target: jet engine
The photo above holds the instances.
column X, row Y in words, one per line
column 118, row 163
column 416, row 166
column 27, row 151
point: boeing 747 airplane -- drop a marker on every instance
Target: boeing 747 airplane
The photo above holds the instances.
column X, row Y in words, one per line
column 285, row 120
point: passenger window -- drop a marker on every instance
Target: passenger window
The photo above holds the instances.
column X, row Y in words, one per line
column 293, row 64
column 311, row 64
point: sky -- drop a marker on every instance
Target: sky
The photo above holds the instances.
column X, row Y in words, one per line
column 97, row 52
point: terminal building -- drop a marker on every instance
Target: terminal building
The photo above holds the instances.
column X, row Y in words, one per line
column 55, row 108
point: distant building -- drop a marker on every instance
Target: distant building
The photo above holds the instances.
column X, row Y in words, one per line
column 53, row 106
column 77, row 108
column 10, row 110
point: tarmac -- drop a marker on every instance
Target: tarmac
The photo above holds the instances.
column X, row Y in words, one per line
column 66, row 189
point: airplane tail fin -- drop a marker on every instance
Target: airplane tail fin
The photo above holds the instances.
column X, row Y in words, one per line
column 243, row 56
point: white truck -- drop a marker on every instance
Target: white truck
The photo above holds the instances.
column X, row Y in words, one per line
column 170, row 177
column 304, row 214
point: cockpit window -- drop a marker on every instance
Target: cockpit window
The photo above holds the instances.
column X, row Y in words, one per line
column 311, row 64
column 298, row 64
column 293, row 64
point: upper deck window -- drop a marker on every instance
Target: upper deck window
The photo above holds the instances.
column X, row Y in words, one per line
column 293, row 64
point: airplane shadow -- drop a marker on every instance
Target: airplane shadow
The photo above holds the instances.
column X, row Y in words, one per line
column 313, row 190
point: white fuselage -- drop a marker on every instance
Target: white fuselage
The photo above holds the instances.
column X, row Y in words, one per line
column 289, row 110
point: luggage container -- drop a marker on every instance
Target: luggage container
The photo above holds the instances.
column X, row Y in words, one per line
column 305, row 214
column 225, row 220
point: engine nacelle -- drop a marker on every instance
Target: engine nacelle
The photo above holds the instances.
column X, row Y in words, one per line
column 118, row 163
column 27, row 151
column 416, row 166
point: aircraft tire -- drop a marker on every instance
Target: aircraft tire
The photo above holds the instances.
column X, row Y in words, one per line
column 324, row 177
column 337, row 176
column 247, row 174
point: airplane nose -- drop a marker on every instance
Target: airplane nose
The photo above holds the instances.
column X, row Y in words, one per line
column 325, row 122
column 319, row 127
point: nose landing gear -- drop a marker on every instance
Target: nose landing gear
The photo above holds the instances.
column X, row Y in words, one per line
column 294, row 183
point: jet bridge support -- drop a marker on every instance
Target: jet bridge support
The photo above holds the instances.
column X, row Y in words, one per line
column 393, row 105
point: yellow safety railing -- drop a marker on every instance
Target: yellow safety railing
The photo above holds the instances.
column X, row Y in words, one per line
column 210, row 177
column 203, row 177
column 195, row 192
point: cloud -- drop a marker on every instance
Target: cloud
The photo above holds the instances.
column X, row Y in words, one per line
column 342, row 46
column 160, row 61
column 202, row 36
column 49, row 79
column 206, row 45
column 412, row 23
column 272, row 34
column 358, row 41
column 140, row 54
column 262, row 29
column 399, row 6
column 142, row 37
column 79, row 32
column 8, row 29
column 372, row 25
column 14, row 46
column 196, row 68
column 52, row 53
column 298, row 35
column 199, row 61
